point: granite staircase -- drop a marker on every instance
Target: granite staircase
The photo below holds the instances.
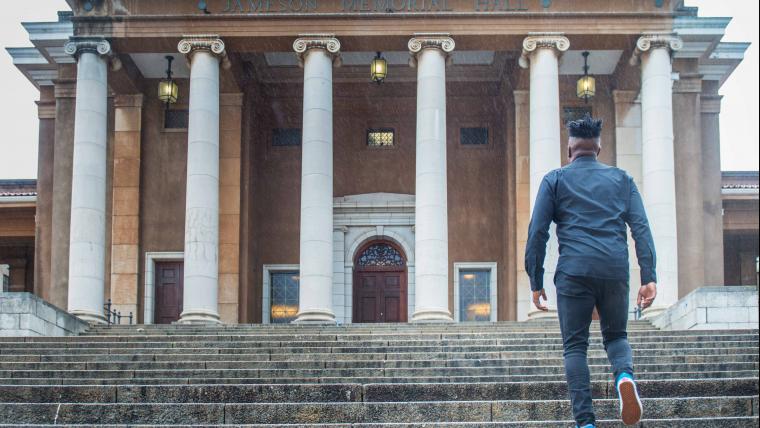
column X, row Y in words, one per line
column 458, row 375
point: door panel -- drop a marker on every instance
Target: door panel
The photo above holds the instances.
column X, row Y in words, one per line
column 169, row 292
column 381, row 297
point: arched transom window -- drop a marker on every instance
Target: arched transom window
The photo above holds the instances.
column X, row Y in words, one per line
column 381, row 255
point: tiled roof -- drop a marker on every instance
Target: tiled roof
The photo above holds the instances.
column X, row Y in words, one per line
column 740, row 180
column 16, row 188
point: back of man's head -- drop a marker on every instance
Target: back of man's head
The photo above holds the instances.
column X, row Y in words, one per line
column 584, row 137
column 585, row 128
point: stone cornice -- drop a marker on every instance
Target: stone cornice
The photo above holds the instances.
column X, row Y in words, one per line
column 710, row 104
column 421, row 41
column 128, row 100
column 647, row 42
column 327, row 42
column 535, row 41
column 204, row 42
column 46, row 109
column 688, row 83
column 625, row 96
column 521, row 96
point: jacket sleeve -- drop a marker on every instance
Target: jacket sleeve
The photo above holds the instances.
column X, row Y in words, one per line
column 538, row 234
column 636, row 218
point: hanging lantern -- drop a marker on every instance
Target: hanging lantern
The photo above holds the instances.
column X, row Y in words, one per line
column 379, row 69
column 168, row 91
column 586, row 86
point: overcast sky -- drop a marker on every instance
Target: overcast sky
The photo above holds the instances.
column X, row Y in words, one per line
column 18, row 113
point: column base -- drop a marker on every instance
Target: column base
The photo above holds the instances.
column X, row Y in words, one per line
column 540, row 315
column 89, row 316
column 315, row 316
column 199, row 316
column 431, row 316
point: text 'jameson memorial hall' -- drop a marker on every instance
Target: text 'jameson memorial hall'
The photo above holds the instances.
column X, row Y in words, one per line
column 346, row 161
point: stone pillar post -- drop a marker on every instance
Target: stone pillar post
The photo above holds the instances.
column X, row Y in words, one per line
column 125, row 207
column 316, row 52
column 687, row 155
column 431, row 240
column 44, row 224
column 88, row 180
column 711, row 184
column 657, row 159
column 541, row 53
column 202, row 195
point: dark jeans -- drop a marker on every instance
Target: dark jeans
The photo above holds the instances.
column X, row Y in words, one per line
column 576, row 299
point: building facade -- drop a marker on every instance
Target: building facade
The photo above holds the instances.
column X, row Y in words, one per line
column 284, row 185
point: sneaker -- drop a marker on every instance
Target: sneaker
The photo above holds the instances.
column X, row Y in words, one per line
column 630, row 403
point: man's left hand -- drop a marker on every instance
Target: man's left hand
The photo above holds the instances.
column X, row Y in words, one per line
column 537, row 295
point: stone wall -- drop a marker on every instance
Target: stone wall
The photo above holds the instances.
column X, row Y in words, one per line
column 712, row 308
column 24, row 314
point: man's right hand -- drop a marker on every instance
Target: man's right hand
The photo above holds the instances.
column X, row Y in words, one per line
column 537, row 295
column 647, row 294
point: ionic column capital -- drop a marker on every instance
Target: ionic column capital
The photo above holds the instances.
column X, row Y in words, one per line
column 94, row 44
column 211, row 43
column 327, row 42
column 421, row 41
column 650, row 41
column 555, row 41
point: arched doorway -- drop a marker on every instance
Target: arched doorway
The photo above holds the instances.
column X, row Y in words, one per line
column 380, row 283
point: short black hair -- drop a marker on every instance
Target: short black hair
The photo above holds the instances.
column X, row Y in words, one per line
column 585, row 127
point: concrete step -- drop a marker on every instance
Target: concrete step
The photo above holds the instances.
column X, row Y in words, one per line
column 371, row 338
column 278, row 393
column 359, row 412
column 725, row 422
column 358, row 364
column 276, row 374
column 209, row 355
column 599, row 376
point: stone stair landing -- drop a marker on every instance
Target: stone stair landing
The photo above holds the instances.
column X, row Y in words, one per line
column 459, row 375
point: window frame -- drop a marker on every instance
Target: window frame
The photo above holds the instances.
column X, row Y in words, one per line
column 493, row 292
column 380, row 129
column 266, row 292
column 177, row 107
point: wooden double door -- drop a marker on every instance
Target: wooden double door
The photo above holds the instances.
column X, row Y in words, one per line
column 380, row 289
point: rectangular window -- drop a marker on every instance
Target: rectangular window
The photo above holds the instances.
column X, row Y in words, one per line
column 286, row 137
column 575, row 113
column 5, row 278
column 473, row 136
column 176, row 119
column 284, row 292
column 381, row 137
column 474, row 295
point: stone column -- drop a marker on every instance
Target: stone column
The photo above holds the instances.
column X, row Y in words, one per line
column 204, row 53
column 657, row 159
column 125, row 207
column 711, row 184
column 88, row 179
column 541, row 53
column 316, row 52
column 431, row 239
